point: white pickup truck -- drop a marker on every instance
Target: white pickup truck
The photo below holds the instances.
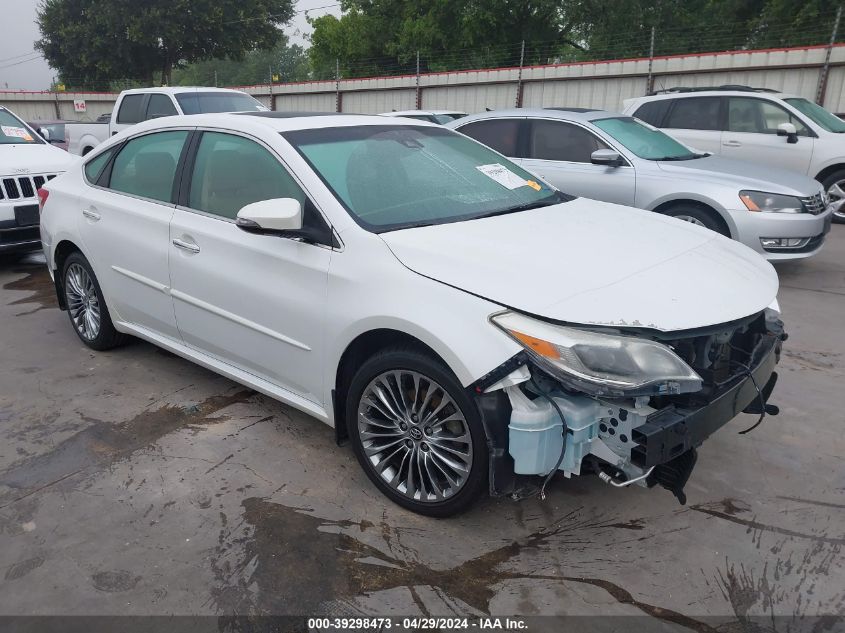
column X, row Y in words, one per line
column 134, row 106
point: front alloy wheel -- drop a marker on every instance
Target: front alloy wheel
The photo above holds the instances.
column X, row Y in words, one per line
column 416, row 432
column 836, row 195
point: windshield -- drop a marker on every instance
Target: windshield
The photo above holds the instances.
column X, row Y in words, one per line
column 822, row 117
column 205, row 102
column 14, row 132
column 394, row 177
column 645, row 141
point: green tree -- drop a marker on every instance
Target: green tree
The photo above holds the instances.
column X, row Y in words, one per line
column 93, row 41
column 289, row 62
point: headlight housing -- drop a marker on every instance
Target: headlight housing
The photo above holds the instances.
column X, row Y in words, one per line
column 598, row 363
column 760, row 201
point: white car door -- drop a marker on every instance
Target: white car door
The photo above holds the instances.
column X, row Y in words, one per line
column 124, row 221
column 751, row 134
column 252, row 301
column 696, row 122
column 560, row 151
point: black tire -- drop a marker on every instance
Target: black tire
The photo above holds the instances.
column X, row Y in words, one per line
column 702, row 215
column 836, row 177
column 411, row 360
column 106, row 336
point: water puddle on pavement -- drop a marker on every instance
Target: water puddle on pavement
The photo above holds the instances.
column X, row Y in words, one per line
column 301, row 563
column 101, row 443
column 36, row 280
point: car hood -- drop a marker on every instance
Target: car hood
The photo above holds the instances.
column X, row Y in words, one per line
column 594, row 263
column 20, row 160
column 743, row 175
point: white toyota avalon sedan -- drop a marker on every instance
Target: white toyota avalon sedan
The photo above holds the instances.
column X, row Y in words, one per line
column 464, row 325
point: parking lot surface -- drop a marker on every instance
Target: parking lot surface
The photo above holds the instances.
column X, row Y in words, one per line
column 134, row 482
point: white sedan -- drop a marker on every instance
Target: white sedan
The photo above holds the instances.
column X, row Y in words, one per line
column 465, row 325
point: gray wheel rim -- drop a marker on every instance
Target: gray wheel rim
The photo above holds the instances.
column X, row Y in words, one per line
column 82, row 302
column 836, row 195
column 415, row 436
column 690, row 219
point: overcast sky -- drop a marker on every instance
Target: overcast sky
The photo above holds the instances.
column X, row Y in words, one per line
column 22, row 68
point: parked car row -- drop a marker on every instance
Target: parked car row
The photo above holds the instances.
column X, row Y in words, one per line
column 780, row 214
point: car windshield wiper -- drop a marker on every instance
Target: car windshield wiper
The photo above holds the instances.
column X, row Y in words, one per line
column 555, row 198
column 681, row 157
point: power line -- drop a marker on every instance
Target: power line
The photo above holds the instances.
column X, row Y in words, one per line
column 23, row 61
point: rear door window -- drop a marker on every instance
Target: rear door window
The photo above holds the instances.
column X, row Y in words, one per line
column 556, row 140
column 694, row 113
column 501, row 135
column 130, row 109
column 160, row 105
column 146, row 166
column 653, row 112
column 94, row 168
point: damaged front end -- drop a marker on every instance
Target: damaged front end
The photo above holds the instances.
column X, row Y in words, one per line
column 630, row 405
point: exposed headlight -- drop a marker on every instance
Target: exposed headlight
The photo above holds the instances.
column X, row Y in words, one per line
column 770, row 202
column 600, row 364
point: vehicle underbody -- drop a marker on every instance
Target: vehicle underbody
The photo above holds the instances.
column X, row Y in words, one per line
column 647, row 440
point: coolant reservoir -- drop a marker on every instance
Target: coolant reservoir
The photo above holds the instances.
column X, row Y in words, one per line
column 535, row 434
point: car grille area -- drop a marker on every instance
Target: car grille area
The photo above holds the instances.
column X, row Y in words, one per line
column 22, row 187
column 814, row 204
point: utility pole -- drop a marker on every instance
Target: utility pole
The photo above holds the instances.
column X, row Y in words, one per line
column 820, row 89
column 649, row 84
column 215, row 77
column 519, row 76
column 419, row 96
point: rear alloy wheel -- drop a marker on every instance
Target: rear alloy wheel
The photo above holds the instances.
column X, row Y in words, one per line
column 697, row 215
column 835, row 187
column 417, row 433
column 86, row 307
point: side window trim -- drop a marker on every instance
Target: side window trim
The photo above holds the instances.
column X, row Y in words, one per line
column 186, row 177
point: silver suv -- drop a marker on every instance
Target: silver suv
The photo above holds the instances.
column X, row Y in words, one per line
column 754, row 124
column 607, row 156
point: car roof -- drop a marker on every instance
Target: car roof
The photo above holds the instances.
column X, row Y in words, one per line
column 429, row 112
column 562, row 113
column 275, row 122
column 705, row 92
column 172, row 90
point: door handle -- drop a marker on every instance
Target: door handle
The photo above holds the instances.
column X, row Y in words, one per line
column 732, row 144
column 91, row 214
column 186, row 246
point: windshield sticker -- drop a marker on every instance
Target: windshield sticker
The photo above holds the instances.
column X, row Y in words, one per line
column 17, row 132
column 534, row 185
column 502, row 175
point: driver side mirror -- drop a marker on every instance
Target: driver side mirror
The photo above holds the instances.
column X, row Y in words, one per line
column 44, row 133
column 606, row 157
column 277, row 216
column 788, row 130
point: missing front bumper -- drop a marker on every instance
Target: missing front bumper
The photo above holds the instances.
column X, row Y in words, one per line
column 674, row 430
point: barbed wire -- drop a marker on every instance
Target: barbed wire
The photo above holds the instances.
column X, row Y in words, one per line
column 676, row 40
